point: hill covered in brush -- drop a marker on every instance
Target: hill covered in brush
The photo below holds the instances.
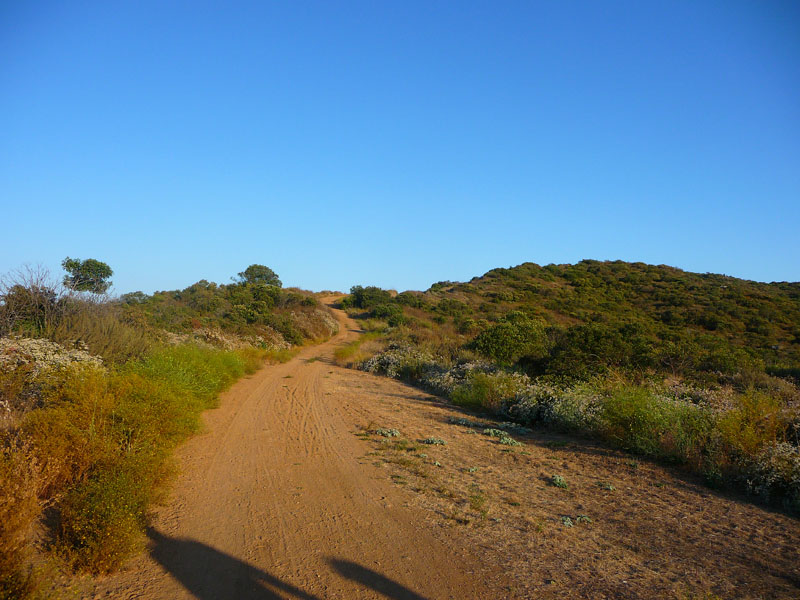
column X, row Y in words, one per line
column 260, row 314
column 583, row 319
column 696, row 369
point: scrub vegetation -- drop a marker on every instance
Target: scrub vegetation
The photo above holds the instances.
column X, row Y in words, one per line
column 699, row 370
column 96, row 392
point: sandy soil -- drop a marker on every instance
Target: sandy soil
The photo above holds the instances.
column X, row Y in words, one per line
column 289, row 493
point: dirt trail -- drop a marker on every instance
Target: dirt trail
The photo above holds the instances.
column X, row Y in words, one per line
column 276, row 500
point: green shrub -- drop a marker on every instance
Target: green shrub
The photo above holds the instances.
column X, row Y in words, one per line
column 449, row 306
column 391, row 313
column 496, row 433
column 588, row 349
column 201, row 372
column 387, row 432
column 31, row 305
column 367, row 297
column 511, row 339
column 486, row 391
column 411, row 299
column 637, row 420
column 433, row 441
column 465, row 325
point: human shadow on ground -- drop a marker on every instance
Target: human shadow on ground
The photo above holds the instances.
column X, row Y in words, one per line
column 373, row 580
column 209, row 574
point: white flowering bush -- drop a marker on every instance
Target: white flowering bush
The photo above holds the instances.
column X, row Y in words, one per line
column 572, row 409
column 671, row 420
column 400, row 362
column 27, row 365
column 42, row 355
column 214, row 337
column 776, row 472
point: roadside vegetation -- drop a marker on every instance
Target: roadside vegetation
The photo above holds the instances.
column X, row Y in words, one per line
column 698, row 370
column 96, row 392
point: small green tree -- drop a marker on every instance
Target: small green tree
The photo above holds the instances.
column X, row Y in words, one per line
column 517, row 335
column 88, row 275
column 367, row 297
column 393, row 314
column 260, row 274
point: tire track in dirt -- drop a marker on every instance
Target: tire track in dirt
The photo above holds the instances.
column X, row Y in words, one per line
column 274, row 500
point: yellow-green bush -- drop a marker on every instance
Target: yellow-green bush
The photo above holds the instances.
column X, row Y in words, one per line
column 156, row 404
column 280, row 355
column 71, row 432
column 486, row 391
column 636, row 419
column 754, row 422
column 103, row 439
column 102, row 519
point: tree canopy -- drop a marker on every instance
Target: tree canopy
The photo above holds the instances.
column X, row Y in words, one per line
column 260, row 274
column 88, row 275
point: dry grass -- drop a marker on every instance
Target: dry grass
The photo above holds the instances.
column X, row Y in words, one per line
column 12, row 387
column 359, row 350
column 100, row 327
column 21, row 483
column 280, row 355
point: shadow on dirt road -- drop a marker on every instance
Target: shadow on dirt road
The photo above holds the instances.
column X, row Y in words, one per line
column 209, row 574
column 373, row 580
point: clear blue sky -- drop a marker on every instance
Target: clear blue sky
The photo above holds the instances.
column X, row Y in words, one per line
column 398, row 143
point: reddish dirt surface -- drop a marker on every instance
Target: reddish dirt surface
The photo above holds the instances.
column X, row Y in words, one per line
column 289, row 493
column 273, row 501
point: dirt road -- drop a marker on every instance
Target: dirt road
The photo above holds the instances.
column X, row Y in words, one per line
column 277, row 500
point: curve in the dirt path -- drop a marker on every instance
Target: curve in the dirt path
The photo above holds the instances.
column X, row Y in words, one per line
column 274, row 500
